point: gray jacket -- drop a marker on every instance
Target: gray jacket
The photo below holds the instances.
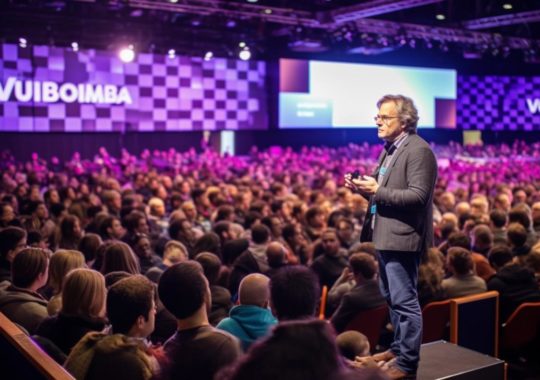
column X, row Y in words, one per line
column 404, row 200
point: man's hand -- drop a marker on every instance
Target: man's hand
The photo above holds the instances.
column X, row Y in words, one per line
column 365, row 185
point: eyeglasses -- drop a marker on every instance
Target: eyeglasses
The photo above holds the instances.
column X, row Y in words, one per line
column 385, row 118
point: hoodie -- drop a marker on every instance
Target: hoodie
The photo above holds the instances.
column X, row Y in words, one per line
column 248, row 323
column 515, row 285
column 22, row 306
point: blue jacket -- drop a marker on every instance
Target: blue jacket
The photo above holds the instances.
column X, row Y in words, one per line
column 248, row 323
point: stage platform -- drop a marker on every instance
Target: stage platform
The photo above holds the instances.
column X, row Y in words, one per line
column 443, row 360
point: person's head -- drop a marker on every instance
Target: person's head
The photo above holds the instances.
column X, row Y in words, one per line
column 481, row 238
column 363, row 265
column 62, row 262
column 112, row 199
column 225, row 212
column 174, row 252
column 274, row 224
column 7, row 213
column 447, row 201
column 502, row 202
column 276, row 254
column 141, row 246
column 520, row 213
column 293, row 350
column 184, row 291
column 189, row 209
column 29, row 269
column 498, row 218
column 397, row 114
column 157, row 207
column 345, row 230
column 181, row 230
column 254, row 290
column 136, row 222
column 459, row 239
column 119, row 256
column 111, row 228
column 532, row 260
column 208, row 242
column 516, row 234
column 84, row 293
column 479, row 206
column 260, row 234
column 89, row 246
column 223, row 230
column 131, row 306
column 352, row 344
column 38, row 209
column 459, row 261
column 70, row 228
column 12, row 241
column 315, row 217
column 499, row 256
column 211, row 265
column 294, row 292
column 330, row 242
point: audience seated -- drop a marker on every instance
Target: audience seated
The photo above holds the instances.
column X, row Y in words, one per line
column 365, row 295
column 221, row 297
column 83, row 309
column 19, row 299
column 197, row 350
column 332, row 259
column 125, row 353
column 463, row 281
column 12, row 241
column 352, row 344
column 516, row 284
column 251, row 319
column 61, row 263
column 294, row 350
column 294, row 293
column 285, row 200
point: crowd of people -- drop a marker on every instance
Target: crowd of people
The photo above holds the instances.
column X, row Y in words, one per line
column 194, row 265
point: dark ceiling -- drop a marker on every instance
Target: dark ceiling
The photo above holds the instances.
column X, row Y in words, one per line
column 274, row 27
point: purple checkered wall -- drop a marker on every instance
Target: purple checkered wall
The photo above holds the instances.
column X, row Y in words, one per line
column 498, row 103
column 183, row 93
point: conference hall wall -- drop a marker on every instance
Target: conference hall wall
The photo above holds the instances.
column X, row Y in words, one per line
column 55, row 101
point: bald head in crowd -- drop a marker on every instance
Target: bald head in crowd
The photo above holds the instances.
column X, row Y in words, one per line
column 254, row 290
column 276, row 254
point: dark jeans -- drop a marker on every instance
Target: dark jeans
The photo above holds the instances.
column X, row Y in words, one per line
column 398, row 278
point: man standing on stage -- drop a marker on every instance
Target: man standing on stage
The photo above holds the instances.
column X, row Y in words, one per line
column 399, row 222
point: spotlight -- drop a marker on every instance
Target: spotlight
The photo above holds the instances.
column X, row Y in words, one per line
column 127, row 54
column 208, row 56
column 230, row 23
column 268, row 11
column 440, row 17
column 252, row 1
column 507, row 6
column 173, row 1
column 75, row 46
column 23, row 42
column 244, row 54
column 242, row 44
column 171, row 53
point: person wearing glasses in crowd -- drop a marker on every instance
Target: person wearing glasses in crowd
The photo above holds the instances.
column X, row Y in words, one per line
column 399, row 222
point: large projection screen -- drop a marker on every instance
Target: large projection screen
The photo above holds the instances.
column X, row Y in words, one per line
column 316, row 94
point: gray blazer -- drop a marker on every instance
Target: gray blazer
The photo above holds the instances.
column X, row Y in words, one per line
column 404, row 200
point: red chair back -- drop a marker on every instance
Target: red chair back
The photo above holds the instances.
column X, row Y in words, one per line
column 522, row 327
column 370, row 323
column 435, row 320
